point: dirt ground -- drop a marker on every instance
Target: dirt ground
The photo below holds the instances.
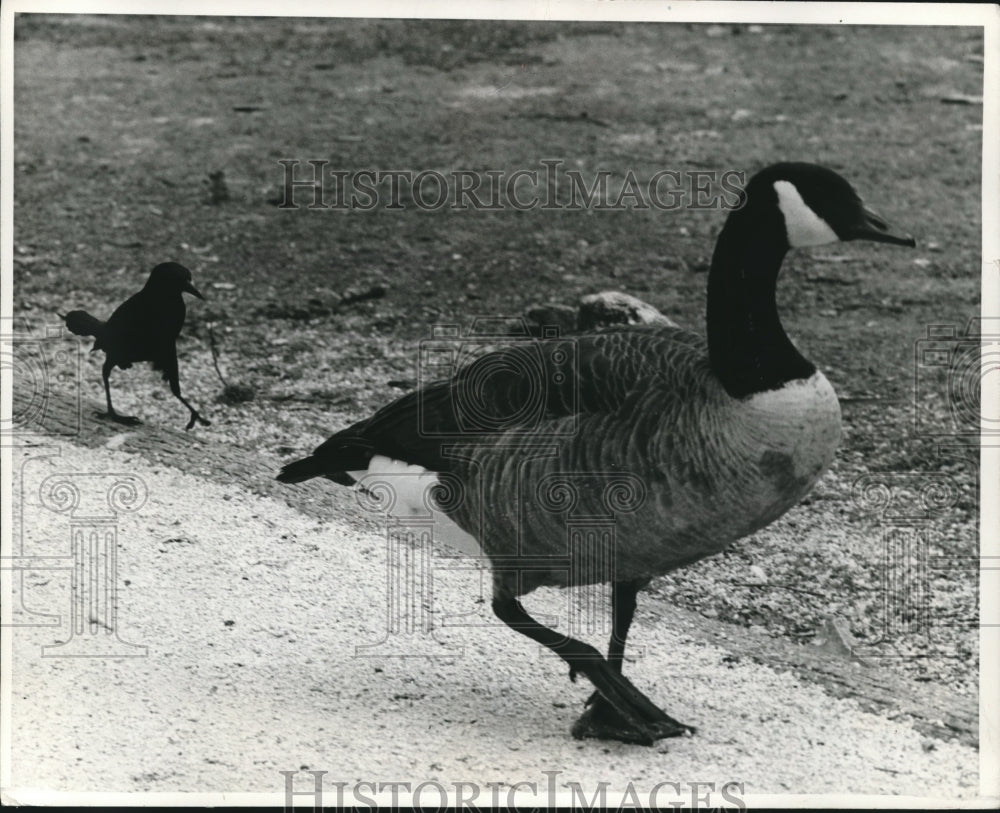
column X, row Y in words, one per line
column 121, row 122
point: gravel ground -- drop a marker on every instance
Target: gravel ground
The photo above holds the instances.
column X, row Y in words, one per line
column 827, row 558
column 251, row 613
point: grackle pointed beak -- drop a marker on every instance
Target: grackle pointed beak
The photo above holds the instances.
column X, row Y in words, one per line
column 192, row 290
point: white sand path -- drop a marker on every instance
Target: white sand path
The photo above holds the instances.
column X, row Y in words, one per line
column 252, row 612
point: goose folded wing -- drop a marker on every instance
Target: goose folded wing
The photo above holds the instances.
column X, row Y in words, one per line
column 510, row 390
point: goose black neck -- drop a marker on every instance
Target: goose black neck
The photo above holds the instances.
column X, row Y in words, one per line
column 748, row 349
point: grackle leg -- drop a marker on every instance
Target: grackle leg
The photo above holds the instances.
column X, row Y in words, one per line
column 175, row 388
column 128, row 420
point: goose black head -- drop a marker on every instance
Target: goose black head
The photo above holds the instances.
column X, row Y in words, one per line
column 172, row 277
column 817, row 206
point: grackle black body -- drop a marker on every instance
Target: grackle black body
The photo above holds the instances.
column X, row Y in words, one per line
column 144, row 327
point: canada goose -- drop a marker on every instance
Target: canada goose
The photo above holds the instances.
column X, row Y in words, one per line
column 715, row 438
column 144, row 327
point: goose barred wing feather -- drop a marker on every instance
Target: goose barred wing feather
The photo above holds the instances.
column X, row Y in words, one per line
column 514, row 391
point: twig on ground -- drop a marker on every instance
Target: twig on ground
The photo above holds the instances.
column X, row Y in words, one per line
column 215, row 355
column 231, row 394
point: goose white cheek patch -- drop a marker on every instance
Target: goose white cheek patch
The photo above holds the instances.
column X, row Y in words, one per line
column 803, row 226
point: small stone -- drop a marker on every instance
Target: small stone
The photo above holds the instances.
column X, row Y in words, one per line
column 834, row 637
column 961, row 98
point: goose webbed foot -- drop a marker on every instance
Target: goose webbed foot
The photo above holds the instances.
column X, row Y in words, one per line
column 631, row 717
column 620, row 711
column 126, row 420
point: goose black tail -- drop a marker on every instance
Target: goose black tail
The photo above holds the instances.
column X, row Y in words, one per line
column 300, row 470
column 346, row 451
column 308, row 467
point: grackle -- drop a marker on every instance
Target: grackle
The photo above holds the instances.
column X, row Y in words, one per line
column 143, row 328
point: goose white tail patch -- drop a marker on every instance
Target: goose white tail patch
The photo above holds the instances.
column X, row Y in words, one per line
column 411, row 487
column 802, row 225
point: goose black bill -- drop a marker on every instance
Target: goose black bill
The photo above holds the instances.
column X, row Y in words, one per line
column 874, row 227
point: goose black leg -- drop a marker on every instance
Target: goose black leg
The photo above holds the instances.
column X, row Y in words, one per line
column 623, row 595
column 602, row 720
column 636, row 718
column 128, row 420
